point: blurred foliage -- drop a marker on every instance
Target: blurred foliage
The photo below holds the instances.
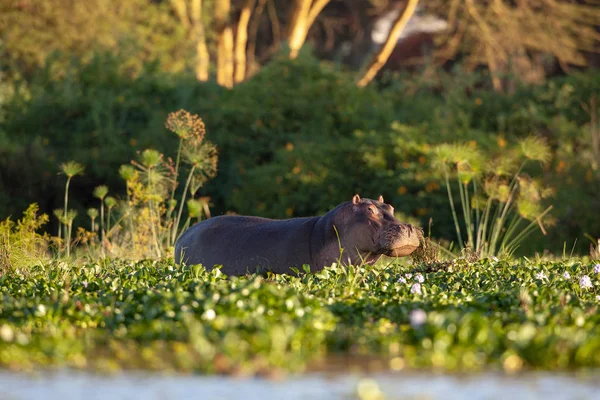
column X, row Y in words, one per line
column 521, row 41
column 298, row 138
column 140, row 30
column 21, row 245
column 154, row 315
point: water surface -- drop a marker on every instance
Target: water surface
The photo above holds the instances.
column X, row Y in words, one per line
column 314, row 386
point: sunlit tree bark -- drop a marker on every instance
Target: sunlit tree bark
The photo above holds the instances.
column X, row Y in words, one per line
column 241, row 40
column 190, row 16
column 304, row 14
column 202, row 56
column 225, row 63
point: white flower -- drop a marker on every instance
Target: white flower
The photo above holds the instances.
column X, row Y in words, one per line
column 597, row 269
column 6, row 333
column 209, row 314
column 567, row 275
column 495, row 258
column 401, row 280
column 585, row 282
column 416, row 288
column 417, row 317
column 84, row 283
column 541, row 276
column 598, row 298
column 41, row 309
column 419, row 278
column 408, row 276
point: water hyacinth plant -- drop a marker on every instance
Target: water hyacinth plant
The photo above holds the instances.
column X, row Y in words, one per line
column 500, row 204
column 585, row 282
column 160, row 316
column 415, row 288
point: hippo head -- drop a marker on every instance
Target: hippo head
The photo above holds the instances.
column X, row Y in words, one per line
column 371, row 228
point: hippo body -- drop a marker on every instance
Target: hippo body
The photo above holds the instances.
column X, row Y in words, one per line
column 364, row 228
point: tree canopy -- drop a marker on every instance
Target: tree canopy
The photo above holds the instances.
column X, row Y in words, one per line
column 231, row 39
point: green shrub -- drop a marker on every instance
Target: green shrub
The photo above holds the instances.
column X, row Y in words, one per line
column 20, row 243
column 309, row 176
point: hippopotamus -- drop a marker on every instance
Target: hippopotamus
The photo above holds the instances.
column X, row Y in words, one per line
column 356, row 231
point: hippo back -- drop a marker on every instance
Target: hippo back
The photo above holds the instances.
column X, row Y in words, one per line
column 247, row 244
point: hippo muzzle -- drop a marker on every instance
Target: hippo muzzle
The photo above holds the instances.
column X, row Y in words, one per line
column 399, row 240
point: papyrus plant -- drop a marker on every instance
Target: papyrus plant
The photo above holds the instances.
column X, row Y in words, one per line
column 153, row 215
column 499, row 203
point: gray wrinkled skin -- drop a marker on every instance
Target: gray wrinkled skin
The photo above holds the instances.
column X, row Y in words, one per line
column 366, row 230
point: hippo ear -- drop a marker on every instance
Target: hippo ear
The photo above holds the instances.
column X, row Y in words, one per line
column 380, row 198
column 356, row 199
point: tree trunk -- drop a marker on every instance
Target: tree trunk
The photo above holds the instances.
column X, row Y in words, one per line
column 202, row 56
column 192, row 22
column 304, row 15
column 224, row 43
column 181, row 11
column 241, row 40
column 384, row 53
column 253, row 30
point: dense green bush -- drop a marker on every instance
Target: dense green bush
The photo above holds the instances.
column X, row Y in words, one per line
column 297, row 138
column 289, row 105
column 95, row 115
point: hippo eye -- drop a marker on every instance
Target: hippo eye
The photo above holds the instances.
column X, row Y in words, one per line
column 371, row 210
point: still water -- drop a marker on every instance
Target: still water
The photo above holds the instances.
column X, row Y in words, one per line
column 315, row 386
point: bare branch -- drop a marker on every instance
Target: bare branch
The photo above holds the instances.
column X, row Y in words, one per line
column 384, row 53
column 298, row 26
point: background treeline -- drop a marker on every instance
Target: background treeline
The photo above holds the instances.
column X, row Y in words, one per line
column 296, row 130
